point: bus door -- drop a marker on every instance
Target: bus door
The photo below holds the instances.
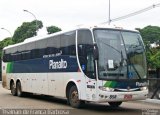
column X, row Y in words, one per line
column 90, row 78
column 85, row 55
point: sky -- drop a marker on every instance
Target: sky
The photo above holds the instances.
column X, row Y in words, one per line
column 68, row 14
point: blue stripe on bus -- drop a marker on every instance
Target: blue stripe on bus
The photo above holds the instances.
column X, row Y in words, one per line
column 51, row 64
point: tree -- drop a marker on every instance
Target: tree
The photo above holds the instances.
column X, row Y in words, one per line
column 53, row 29
column 150, row 33
column 6, row 42
column 26, row 30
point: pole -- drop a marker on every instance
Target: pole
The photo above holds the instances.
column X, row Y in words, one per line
column 34, row 17
column 7, row 31
column 109, row 15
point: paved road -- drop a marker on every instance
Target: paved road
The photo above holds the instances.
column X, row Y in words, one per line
column 7, row 101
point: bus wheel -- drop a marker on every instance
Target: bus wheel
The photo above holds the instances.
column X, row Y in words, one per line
column 73, row 98
column 19, row 90
column 115, row 104
column 13, row 89
column 158, row 94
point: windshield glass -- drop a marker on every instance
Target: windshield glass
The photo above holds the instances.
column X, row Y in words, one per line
column 121, row 54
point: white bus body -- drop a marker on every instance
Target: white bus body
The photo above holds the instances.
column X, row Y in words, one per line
column 85, row 64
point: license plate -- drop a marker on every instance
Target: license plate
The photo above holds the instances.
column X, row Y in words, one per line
column 127, row 96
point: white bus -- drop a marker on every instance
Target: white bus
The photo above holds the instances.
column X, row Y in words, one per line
column 95, row 64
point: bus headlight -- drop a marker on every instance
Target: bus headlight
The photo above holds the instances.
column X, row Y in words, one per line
column 106, row 88
column 143, row 88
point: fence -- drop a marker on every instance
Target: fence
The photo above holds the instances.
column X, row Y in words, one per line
column 154, row 85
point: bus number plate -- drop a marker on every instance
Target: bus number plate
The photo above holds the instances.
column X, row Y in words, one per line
column 127, row 96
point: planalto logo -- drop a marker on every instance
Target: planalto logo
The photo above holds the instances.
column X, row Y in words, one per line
column 62, row 64
column 142, row 84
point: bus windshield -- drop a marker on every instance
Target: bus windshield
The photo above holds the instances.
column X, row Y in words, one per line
column 121, row 54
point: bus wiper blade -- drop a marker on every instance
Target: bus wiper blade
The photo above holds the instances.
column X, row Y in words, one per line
column 109, row 46
column 132, row 50
column 136, row 71
column 135, row 49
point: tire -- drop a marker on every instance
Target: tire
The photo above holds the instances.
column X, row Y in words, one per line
column 13, row 89
column 19, row 90
column 115, row 104
column 73, row 98
column 158, row 94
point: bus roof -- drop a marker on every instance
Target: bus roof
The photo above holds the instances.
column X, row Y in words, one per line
column 36, row 38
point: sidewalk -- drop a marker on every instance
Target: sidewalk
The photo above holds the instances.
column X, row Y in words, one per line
column 153, row 101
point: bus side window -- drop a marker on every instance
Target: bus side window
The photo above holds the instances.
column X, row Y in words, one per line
column 28, row 55
column 36, row 53
column 4, row 58
column 40, row 48
column 30, row 49
column 68, row 43
column 7, row 58
column 90, row 63
column 13, row 54
column 53, row 45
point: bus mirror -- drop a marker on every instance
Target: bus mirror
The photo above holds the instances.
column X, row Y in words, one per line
column 95, row 52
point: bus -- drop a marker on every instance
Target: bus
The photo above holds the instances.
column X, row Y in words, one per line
column 87, row 64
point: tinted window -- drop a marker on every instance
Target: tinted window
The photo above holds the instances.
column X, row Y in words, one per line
column 30, row 48
column 53, row 45
column 21, row 52
column 40, row 48
column 68, row 43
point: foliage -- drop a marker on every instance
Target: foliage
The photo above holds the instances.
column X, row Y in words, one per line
column 153, row 58
column 26, row 30
column 53, row 29
column 4, row 43
column 151, row 34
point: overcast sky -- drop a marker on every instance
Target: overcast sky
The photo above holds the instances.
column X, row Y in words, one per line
column 70, row 13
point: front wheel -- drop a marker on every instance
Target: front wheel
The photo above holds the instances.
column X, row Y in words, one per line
column 115, row 104
column 73, row 98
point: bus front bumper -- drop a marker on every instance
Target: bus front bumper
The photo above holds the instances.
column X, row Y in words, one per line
column 121, row 96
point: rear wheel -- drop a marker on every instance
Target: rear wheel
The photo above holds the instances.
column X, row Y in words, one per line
column 115, row 104
column 73, row 98
column 13, row 89
column 19, row 89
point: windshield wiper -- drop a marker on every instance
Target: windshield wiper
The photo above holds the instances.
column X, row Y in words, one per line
column 135, row 49
column 109, row 46
column 134, row 68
